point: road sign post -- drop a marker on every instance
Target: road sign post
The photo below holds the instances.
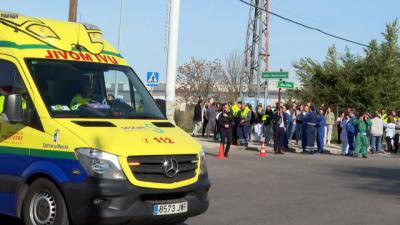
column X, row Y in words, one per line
column 285, row 84
column 152, row 79
column 279, row 93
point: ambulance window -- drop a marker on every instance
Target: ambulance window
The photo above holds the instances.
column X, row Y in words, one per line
column 139, row 104
column 117, row 86
column 10, row 79
column 92, row 90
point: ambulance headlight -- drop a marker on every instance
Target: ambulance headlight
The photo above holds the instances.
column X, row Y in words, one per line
column 203, row 164
column 100, row 164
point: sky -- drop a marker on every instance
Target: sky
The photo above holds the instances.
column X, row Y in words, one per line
column 211, row 29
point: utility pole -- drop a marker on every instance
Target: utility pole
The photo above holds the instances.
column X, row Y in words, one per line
column 172, row 58
column 266, row 56
column 73, row 10
column 280, row 90
column 255, row 48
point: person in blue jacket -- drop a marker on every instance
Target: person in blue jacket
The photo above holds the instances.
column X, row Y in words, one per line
column 304, row 127
column 311, row 121
column 287, row 127
column 321, row 130
column 351, row 133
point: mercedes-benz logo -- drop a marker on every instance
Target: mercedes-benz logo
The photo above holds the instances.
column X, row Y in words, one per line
column 170, row 167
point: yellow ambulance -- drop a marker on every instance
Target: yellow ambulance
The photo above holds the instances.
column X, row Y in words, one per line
column 82, row 141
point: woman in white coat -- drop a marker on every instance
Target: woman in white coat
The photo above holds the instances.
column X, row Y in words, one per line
column 390, row 132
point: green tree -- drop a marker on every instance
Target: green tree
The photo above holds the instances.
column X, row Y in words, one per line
column 369, row 82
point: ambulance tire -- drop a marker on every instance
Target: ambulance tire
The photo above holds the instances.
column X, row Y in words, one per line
column 44, row 205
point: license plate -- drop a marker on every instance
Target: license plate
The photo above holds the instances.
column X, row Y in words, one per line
column 168, row 209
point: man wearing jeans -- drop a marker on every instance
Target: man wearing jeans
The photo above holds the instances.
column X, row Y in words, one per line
column 376, row 133
column 243, row 128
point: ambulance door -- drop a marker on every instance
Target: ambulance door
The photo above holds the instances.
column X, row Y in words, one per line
column 14, row 137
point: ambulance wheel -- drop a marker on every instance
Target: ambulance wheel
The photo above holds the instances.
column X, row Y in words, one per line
column 44, row 205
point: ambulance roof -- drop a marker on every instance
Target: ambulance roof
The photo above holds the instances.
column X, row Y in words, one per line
column 30, row 37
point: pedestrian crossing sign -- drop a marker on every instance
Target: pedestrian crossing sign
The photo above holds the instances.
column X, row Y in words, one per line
column 152, row 79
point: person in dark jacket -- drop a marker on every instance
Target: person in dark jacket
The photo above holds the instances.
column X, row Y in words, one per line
column 205, row 119
column 258, row 123
column 299, row 115
column 217, row 132
column 225, row 123
column 197, row 118
column 267, row 119
column 304, row 127
column 235, row 109
column 212, row 119
column 280, row 123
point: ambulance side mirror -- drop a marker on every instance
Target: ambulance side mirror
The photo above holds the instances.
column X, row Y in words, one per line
column 13, row 111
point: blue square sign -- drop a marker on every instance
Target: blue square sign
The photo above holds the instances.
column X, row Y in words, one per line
column 152, row 79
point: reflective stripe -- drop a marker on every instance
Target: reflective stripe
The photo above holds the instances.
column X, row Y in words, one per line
column 2, row 100
column 245, row 112
column 77, row 101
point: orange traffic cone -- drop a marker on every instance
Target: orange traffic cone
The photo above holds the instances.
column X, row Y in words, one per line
column 221, row 151
column 263, row 153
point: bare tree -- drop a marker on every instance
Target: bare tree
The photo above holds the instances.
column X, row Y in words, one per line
column 199, row 78
column 234, row 68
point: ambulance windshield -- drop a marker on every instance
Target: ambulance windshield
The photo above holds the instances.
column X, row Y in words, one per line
column 91, row 90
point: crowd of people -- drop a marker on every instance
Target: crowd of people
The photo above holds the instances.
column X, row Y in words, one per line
column 306, row 125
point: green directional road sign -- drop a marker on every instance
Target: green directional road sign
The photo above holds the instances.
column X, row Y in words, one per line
column 285, row 84
column 275, row 75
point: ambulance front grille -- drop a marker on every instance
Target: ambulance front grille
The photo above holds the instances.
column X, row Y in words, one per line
column 152, row 168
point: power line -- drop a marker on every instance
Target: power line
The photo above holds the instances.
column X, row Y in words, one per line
column 305, row 26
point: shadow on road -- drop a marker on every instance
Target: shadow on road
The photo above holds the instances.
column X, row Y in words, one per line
column 384, row 181
column 6, row 220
